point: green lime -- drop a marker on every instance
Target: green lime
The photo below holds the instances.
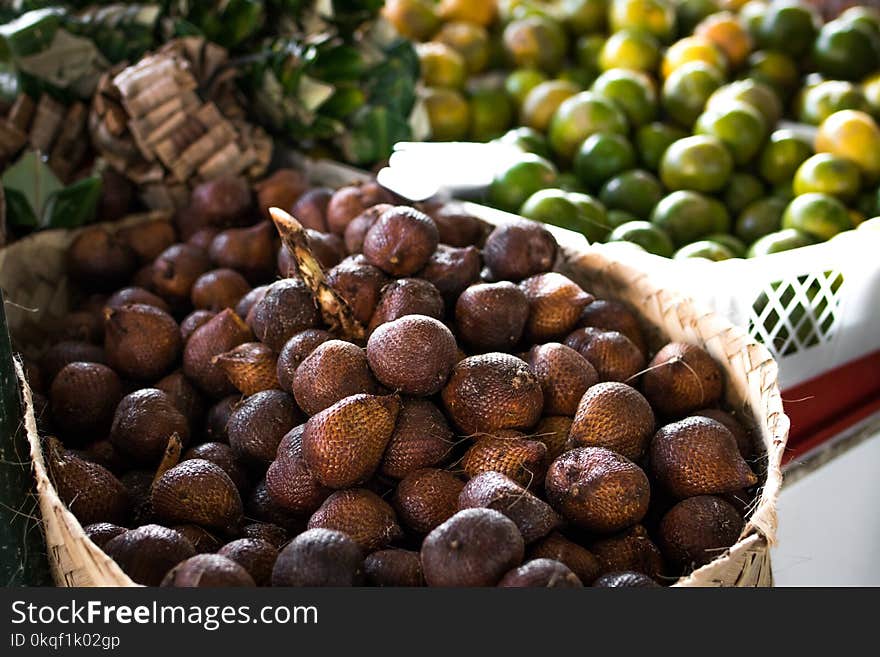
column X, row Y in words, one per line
column 579, row 117
column 528, row 140
column 757, row 94
column 569, row 182
column 656, row 17
column 821, row 100
column 579, row 76
column 616, row 218
column 491, row 114
column 687, row 89
column 583, row 16
column 632, row 91
column 700, row 163
column 867, row 17
column 536, row 42
column 542, row 102
column 521, row 81
column 704, row 249
column 775, row 69
column 593, row 219
column 551, row 206
column 689, row 13
column 448, row 113
column 846, row 51
column 733, row 244
column 751, row 14
column 646, row 235
column 601, row 156
column 440, row 65
column 868, row 203
column 760, row 218
column 635, row 191
column 785, row 151
column 633, row 49
column 789, row 26
column 512, row 186
column 737, row 125
column 687, row 216
column 783, row 240
column 587, row 51
column 819, row 215
column 653, row 139
column 828, row 174
column 742, row 189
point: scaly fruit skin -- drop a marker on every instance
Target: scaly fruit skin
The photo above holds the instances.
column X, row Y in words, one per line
column 393, row 567
column 699, row 529
column 682, row 378
column 255, row 555
column 519, row 249
column 361, row 514
column 613, row 355
column 541, row 573
column 333, row 371
column 145, row 554
column 616, row 416
column 289, row 481
column 579, row 559
column 555, row 303
column 427, row 498
column 630, row 550
column 200, row 492
column 491, row 316
column 207, row 570
column 698, row 456
column 626, row 579
column 597, row 489
column 343, row 444
column 257, row 425
column 564, row 374
column 319, row 557
column 421, row 439
column 508, row 453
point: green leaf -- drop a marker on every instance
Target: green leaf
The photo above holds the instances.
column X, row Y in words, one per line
column 18, row 210
column 31, row 176
column 74, row 205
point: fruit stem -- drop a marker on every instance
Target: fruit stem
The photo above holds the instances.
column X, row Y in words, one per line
column 171, row 456
column 336, row 312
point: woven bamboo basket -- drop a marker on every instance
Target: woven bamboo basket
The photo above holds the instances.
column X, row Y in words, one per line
column 32, row 273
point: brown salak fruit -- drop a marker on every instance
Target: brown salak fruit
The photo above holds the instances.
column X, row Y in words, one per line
column 258, row 424
column 401, row 241
column 202, row 540
column 697, row 530
column 66, row 352
column 682, row 378
column 192, row 322
column 261, row 507
column 421, row 439
column 328, row 249
column 475, row 547
column 221, row 455
column 451, row 270
column 184, row 396
column 289, row 482
column 138, row 484
column 698, row 456
column 116, row 194
column 493, row 391
column 564, row 374
column 218, row 289
column 580, row 560
column 250, row 367
column 519, row 249
column 90, row 491
column 361, row 514
column 199, row 492
column 511, row 454
column 343, row 444
column 131, row 295
column 143, row 422
column 250, row 251
column 333, row 371
column 105, row 453
column 541, row 573
column 295, row 351
column 218, row 335
column 597, row 490
column 491, row 316
column 83, row 398
column 616, row 416
column 348, row 202
column 406, row 296
column 742, row 436
column 630, row 550
column 626, row 579
column 221, row 202
column 426, row 498
column 265, row 531
column 203, row 237
column 552, row 430
column 100, row 533
column 256, row 556
column 456, row 226
column 208, row 571
column 310, row 209
column 249, row 300
column 357, row 228
column 555, row 303
column 280, row 190
column 613, row 355
column 218, row 417
column 614, row 315
column 286, row 309
column 393, row 567
column 145, row 554
column 142, row 342
column 99, row 260
column 359, row 284
column 79, row 325
column 319, row 557
column 413, row 355
column 492, row 490
column 176, row 270
column 148, row 239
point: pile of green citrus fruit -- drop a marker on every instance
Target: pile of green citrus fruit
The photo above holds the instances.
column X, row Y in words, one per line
column 690, row 128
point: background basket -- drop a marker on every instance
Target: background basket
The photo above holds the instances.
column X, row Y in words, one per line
column 750, row 374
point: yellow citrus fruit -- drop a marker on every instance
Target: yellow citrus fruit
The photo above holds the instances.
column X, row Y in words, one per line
column 827, row 174
column 633, row 49
column 871, row 90
column 470, row 40
column 448, row 114
column 521, row 81
column 414, row 19
column 729, row 35
column 536, row 42
column 481, row 12
column 441, row 66
column 657, row 17
column 692, row 49
column 542, row 102
column 853, row 135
